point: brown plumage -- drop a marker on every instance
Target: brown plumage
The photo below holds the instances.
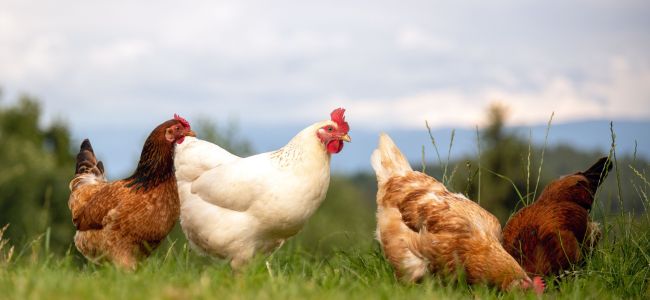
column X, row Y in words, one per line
column 423, row 227
column 125, row 220
column 551, row 234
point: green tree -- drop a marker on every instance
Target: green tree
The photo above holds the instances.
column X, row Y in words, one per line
column 502, row 164
column 36, row 166
column 503, row 157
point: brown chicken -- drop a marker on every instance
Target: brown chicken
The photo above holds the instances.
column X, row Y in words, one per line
column 125, row 220
column 551, row 234
column 423, row 227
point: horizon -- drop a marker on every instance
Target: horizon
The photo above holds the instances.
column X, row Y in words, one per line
column 120, row 149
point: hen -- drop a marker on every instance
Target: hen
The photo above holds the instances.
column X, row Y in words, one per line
column 125, row 220
column 549, row 235
column 233, row 207
column 423, row 227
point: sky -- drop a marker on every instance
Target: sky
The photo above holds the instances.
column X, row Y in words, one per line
column 121, row 67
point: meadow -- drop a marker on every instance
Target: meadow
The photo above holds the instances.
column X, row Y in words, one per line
column 617, row 269
column 335, row 256
column 307, row 267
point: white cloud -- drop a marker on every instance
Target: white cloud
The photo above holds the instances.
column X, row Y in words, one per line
column 400, row 64
column 625, row 93
column 414, row 38
column 119, row 53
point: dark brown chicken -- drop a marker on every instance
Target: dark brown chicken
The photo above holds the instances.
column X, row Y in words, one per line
column 125, row 220
column 551, row 234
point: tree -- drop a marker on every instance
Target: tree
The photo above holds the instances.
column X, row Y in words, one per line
column 503, row 157
column 36, row 166
column 503, row 161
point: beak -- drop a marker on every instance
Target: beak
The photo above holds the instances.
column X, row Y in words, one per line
column 190, row 133
column 346, row 138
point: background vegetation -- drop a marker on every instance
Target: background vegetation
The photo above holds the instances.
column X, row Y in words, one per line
column 335, row 255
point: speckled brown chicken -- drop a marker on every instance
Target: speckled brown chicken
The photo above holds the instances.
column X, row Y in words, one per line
column 123, row 221
column 551, row 234
column 423, row 227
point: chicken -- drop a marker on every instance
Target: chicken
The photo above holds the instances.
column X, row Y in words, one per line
column 423, row 227
column 233, row 207
column 549, row 235
column 123, row 221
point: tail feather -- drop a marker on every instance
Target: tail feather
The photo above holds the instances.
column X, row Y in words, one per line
column 597, row 173
column 387, row 160
column 87, row 168
column 100, row 166
column 86, row 160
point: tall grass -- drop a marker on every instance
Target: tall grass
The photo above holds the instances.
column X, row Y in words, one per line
column 541, row 162
column 6, row 252
column 445, row 165
column 478, row 146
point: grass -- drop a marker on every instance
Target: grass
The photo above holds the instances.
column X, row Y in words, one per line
column 619, row 267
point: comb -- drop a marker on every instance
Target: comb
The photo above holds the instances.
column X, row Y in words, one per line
column 338, row 117
column 184, row 122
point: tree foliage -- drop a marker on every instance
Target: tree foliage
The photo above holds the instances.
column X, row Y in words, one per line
column 36, row 164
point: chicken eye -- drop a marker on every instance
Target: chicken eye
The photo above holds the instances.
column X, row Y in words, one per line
column 329, row 128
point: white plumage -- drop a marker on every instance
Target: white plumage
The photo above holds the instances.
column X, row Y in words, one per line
column 233, row 207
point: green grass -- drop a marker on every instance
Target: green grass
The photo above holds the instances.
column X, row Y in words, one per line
column 618, row 268
column 334, row 257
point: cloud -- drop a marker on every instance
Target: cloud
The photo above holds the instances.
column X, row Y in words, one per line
column 623, row 93
column 401, row 64
column 413, row 38
column 119, row 54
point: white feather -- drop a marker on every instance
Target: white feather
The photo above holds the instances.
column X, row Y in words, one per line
column 233, row 207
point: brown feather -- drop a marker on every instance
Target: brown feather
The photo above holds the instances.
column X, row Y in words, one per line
column 548, row 236
column 125, row 220
column 423, row 228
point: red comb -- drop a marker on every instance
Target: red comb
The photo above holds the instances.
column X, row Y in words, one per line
column 538, row 285
column 338, row 117
column 184, row 122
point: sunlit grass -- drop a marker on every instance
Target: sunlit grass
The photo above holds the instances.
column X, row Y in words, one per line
column 619, row 267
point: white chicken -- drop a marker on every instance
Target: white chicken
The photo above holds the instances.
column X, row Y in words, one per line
column 233, row 207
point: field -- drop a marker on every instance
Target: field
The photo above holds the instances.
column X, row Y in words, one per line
column 335, row 256
column 619, row 268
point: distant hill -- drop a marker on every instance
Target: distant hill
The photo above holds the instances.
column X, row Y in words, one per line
column 120, row 149
column 591, row 135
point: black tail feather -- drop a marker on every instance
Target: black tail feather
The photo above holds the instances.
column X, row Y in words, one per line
column 85, row 145
column 86, row 160
column 598, row 171
column 100, row 166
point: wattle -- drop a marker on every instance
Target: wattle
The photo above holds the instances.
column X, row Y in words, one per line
column 334, row 146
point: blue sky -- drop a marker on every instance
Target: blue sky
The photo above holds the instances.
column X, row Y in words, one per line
column 120, row 67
